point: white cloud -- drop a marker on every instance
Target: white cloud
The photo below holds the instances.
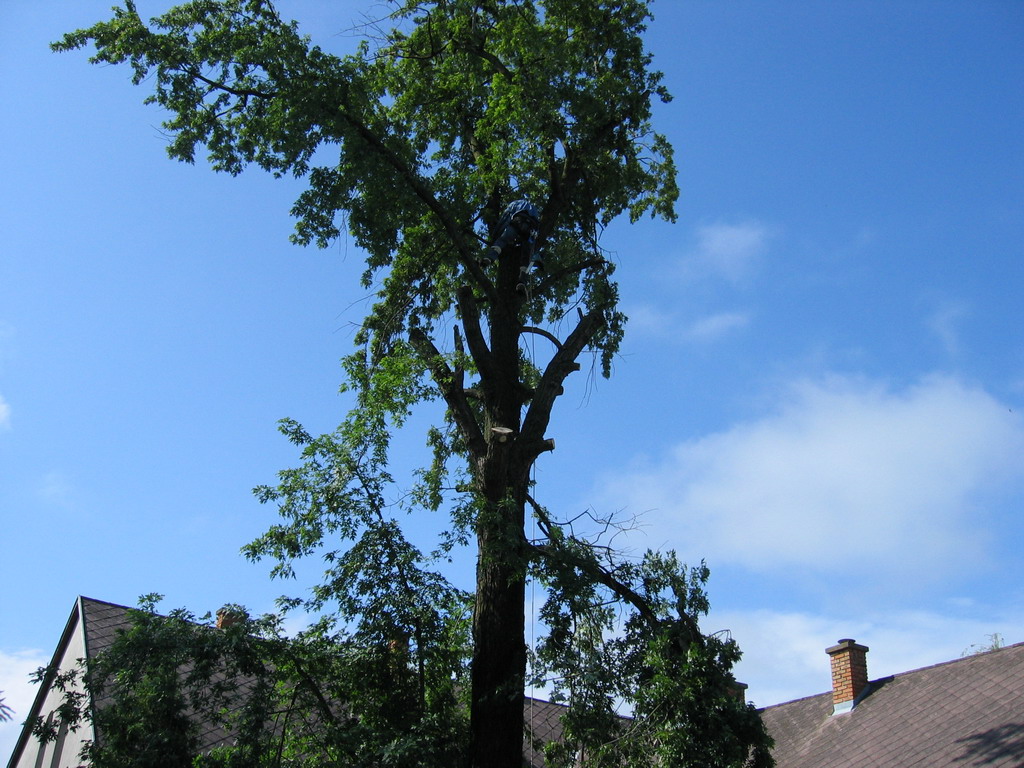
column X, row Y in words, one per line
column 650, row 320
column 667, row 325
column 5, row 414
column 714, row 327
column 784, row 652
column 844, row 473
column 55, row 489
column 727, row 251
column 18, row 692
column 944, row 322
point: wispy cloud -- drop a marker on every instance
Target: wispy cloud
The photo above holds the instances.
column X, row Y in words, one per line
column 842, row 473
column 652, row 321
column 56, row 490
column 944, row 323
column 731, row 252
column 5, row 414
column 719, row 252
column 714, row 327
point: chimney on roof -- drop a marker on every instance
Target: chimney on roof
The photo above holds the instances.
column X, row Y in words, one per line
column 739, row 691
column 227, row 616
column 849, row 674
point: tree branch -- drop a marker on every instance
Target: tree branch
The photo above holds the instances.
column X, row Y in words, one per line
column 313, row 687
column 478, row 348
column 418, row 187
column 239, row 92
column 561, row 365
column 562, row 557
column 541, row 332
column 494, row 61
column 558, row 274
column 451, row 386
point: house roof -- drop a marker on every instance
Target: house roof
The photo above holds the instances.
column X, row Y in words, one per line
column 543, row 721
column 959, row 714
column 102, row 622
column 99, row 622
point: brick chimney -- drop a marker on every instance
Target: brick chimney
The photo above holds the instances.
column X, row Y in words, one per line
column 739, row 691
column 849, row 674
column 228, row 616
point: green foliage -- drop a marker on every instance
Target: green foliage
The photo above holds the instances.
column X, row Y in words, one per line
column 624, row 636
column 995, row 642
column 170, row 684
column 414, row 145
column 461, row 107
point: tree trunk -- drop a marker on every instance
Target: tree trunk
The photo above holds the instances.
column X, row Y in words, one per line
column 499, row 654
column 503, row 450
column 499, row 626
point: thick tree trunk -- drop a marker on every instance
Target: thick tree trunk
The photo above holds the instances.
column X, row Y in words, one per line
column 499, row 625
column 503, row 449
column 499, row 655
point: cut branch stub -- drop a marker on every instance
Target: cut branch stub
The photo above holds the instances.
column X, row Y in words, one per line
column 502, row 434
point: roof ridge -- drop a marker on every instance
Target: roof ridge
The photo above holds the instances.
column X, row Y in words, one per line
column 793, row 701
column 85, row 598
column 969, row 657
column 925, row 668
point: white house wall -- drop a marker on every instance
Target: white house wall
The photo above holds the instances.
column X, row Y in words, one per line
column 62, row 753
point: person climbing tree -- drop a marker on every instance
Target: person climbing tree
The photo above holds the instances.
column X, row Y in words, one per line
column 517, row 235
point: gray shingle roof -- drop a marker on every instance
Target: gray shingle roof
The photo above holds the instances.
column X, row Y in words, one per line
column 102, row 621
column 967, row 713
column 543, row 722
column 963, row 713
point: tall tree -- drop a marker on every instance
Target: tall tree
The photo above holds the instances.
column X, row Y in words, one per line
column 451, row 110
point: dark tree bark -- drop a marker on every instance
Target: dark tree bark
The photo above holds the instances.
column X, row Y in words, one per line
column 502, row 461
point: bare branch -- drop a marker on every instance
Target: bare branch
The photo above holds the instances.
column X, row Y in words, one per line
column 565, row 558
column 558, row 274
column 541, row 332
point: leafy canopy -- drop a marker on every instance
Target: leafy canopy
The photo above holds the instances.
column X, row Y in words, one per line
column 415, row 142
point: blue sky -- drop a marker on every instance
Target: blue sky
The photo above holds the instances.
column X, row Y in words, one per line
column 821, row 391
